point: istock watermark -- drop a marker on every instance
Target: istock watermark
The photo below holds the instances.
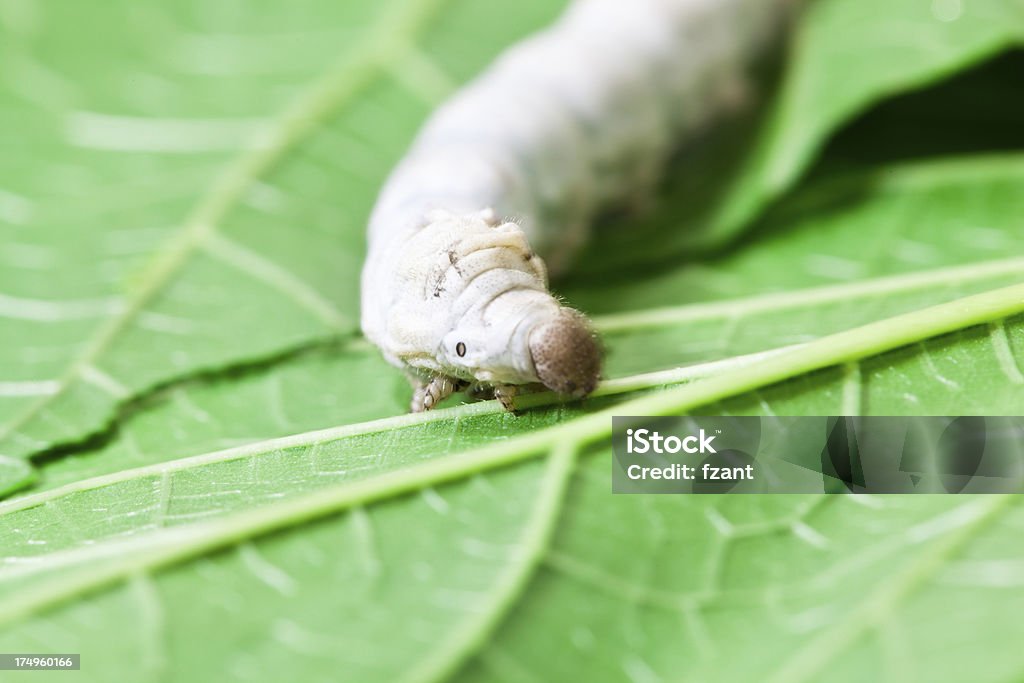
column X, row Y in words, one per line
column 645, row 440
column 838, row 454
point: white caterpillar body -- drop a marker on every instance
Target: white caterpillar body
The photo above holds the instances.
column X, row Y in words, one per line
column 581, row 116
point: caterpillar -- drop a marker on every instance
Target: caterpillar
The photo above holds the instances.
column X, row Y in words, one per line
column 504, row 178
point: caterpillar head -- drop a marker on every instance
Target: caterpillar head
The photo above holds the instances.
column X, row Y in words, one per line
column 556, row 347
column 566, row 353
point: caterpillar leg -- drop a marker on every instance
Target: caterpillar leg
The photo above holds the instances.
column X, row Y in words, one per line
column 427, row 395
column 506, row 393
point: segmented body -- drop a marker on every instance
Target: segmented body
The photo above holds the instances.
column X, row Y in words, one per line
column 512, row 170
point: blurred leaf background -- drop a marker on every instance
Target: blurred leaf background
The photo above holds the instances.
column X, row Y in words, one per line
column 212, row 476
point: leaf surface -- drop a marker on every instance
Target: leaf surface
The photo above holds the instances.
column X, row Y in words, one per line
column 463, row 543
column 846, row 56
column 285, row 519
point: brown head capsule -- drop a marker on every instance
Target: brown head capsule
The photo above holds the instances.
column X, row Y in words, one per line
column 566, row 353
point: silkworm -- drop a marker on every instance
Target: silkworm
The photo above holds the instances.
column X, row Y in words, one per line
column 505, row 177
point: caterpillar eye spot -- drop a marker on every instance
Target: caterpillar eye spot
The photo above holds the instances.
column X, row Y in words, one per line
column 460, row 349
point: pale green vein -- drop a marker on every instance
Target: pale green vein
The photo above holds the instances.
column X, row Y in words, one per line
column 423, row 76
column 203, row 537
column 1004, row 354
column 816, row 653
column 845, row 347
column 613, row 387
column 852, row 389
column 894, row 284
column 635, row 592
column 101, row 380
column 935, row 175
column 150, row 626
column 260, row 268
column 388, row 39
column 363, row 533
column 473, row 633
column 505, row 668
column 930, row 176
column 14, row 474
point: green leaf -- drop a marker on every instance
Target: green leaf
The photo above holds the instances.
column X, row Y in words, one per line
column 457, row 574
column 849, row 55
column 14, row 474
column 213, row 485
column 128, row 524
column 937, row 121
column 846, row 56
column 888, row 220
column 283, row 519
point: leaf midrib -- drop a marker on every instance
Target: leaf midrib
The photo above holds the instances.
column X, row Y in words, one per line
column 662, row 317
column 624, row 385
column 859, row 343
